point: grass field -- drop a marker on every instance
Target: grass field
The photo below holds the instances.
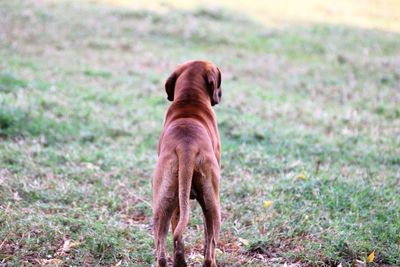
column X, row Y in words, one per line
column 309, row 121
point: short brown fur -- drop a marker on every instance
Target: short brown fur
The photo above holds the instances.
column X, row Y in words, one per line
column 189, row 160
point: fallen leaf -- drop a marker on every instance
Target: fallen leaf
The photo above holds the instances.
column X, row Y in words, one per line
column 371, row 257
column 267, row 204
column 197, row 257
column 67, row 246
column 301, row 176
column 5, row 256
column 244, row 241
column 50, row 262
column 16, row 196
column 218, row 252
column 359, row 263
column 91, row 166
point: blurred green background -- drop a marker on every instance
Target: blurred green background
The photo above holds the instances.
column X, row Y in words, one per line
column 309, row 121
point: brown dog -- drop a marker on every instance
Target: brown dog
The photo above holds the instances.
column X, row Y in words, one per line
column 189, row 160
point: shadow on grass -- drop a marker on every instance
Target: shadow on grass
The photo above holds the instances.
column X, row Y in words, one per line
column 10, row 83
column 15, row 122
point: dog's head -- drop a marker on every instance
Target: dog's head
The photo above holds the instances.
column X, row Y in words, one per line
column 204, row 70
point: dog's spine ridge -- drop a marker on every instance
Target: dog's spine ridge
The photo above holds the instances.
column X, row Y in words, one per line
column 185, row 175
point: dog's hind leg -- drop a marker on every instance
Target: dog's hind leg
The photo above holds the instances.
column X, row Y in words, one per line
column 161, row 225
column 161, row 222
column 165, row 200
column 209, row 201
column 179, row 247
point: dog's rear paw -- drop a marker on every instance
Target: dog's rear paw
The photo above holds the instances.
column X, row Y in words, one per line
column 209, row 263
column 162, row 262
column 179, row 260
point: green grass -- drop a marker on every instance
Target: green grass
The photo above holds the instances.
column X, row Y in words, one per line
column 81, row 109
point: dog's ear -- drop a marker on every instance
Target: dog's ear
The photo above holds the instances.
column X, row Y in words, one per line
column 170, row 85
column 214, row 86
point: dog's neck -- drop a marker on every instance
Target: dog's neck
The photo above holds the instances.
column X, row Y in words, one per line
column 191, row 88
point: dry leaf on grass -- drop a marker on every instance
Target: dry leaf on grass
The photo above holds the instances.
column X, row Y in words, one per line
column 196, row 257
column 371, row 257
column 218, row 252
column 50, row 262
column 5, row 256
column 244, row 241
column 359, row 263
column 301, row 177
column 267, row 204
column 16, row 196
column 67, row 246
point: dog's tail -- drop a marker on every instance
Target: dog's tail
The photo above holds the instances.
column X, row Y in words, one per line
column 186, row 158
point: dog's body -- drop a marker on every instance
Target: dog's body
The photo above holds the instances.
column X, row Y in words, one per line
column 189, row 160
